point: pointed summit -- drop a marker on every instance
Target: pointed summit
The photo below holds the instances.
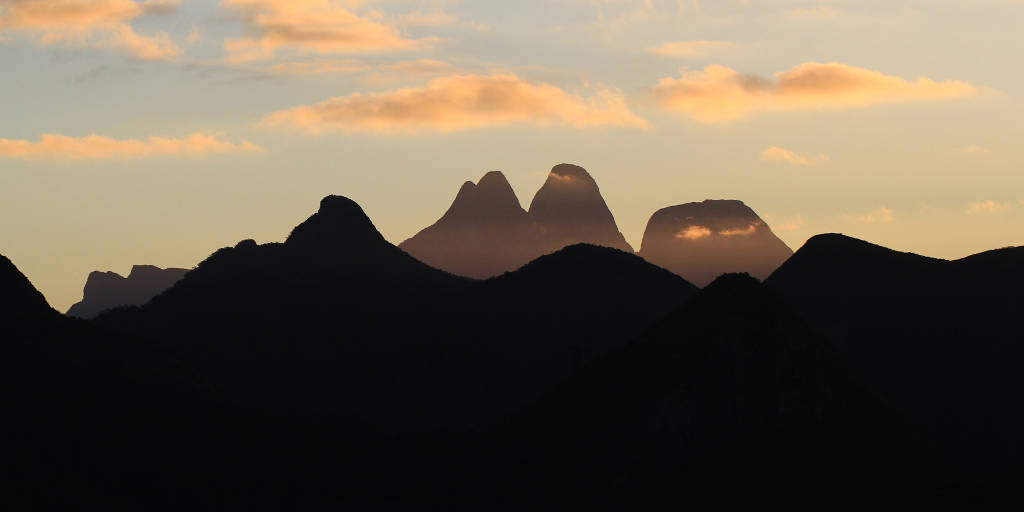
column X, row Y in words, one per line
column 484, row 233
column 339, row 222
column 569, row 209
column 701, row 241
column 492, row 198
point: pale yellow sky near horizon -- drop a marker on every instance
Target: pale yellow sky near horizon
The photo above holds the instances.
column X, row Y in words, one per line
column 155, row 132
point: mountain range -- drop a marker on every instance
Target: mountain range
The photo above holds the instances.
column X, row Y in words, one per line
column 337, row 370
column 486, row 232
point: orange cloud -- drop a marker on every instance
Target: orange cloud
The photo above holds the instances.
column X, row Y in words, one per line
column 63, row 147
column 309, row 26
column 96, row 23
column 777, row 154
column 694, row 233
column 689, row 48
column 975, row 148
column 460, row 102
column 720, row 94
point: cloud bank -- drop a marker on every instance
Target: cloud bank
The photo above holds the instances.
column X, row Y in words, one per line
column 720, row 94
column 90, row 23
column 62, row 147
column 460, row 102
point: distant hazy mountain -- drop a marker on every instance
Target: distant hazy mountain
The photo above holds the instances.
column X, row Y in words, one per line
column 108, row 290
column 701, row 241
column 940, row 339
column 569, row 209
column 730, row 398
column 484, row 233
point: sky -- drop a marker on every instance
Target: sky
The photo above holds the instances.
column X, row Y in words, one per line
column 156, row 131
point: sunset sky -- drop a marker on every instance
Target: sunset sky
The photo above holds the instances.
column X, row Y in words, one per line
column 155, row 132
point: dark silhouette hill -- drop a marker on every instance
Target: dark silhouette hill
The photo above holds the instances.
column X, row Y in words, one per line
column 322, row 360
column 20, row 302
column 108, row 290
column 729, row 400
column 569, row 209
column 701, row 241
column 941, row 340
column 484, row 233
column 548, row 319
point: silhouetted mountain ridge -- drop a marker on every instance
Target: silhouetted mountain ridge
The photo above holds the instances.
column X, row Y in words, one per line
column 939, row 339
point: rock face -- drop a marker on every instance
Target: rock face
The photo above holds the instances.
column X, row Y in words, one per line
column 485, row 232
column 701, row 241
column 108, row 290
column 569, row 209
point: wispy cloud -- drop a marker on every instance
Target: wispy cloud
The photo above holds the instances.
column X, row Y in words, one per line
column 689, row 48
column 319, row 67
column 62, row 147
column 310, row 26
column 720, row 94
column 880, row 215
column 777, row 154
column 90, row 23
column 747, row 231
column 460, row 102
column 417, row 70
column 982, row 207
column 975, row 148
column 813, row 13
column 790, row 224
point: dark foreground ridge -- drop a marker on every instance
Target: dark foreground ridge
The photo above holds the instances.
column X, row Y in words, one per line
column 731, row 392
column 941, row 340
column 335, row 370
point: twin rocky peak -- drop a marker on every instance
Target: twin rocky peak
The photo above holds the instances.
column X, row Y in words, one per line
column 486, row 231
